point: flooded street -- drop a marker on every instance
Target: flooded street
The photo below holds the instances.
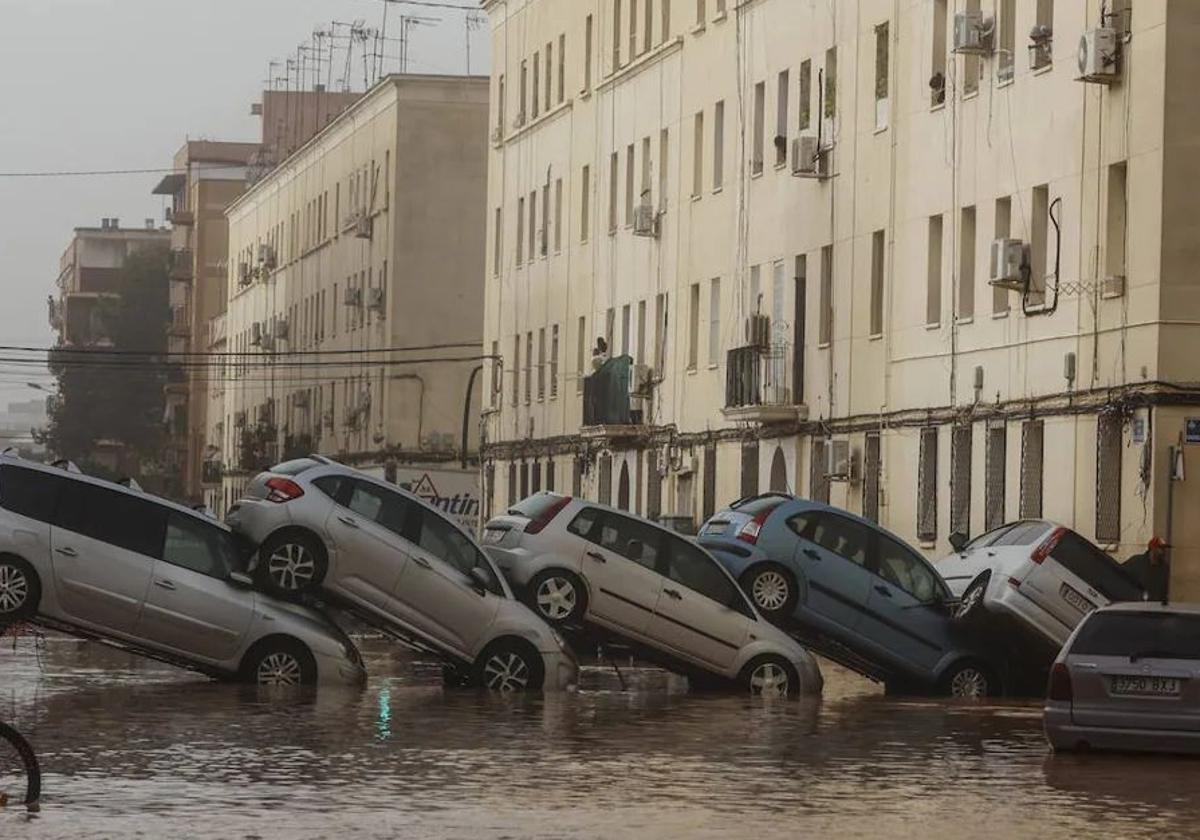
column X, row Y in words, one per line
column 134, row 749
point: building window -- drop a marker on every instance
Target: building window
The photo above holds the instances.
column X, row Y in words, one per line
column 626, row 328
column 1039, row 243
column 545, row 220
column 882, row 47
column 1043, row 43
column 872, row 469
column 529, row 367
column 927, row 487
column 641, row 333
column 585, row 203
column 633, row 29
column 805, row 84
column 610, row 326
column 760, row 117
column 708, row 494
column 496, row 245
column 648, row 27
column 996, row 469
column 616, row 36
column 714, row 322
column 535, row 479
column 524, row 96
column 500, row 93
column 558, row 215
column 1032, row 434
column 533, row 225
column 554, row 361
column 701, row 14
column 1006, row 48
column 1109, row 432
column 782, row 96
column 1116, row 221
column 589, row 27
column 694, row 328
column 512, row 484
column 825, row 331
column 665, row 35
column 698, row 155
column 645, row 198
column 878, row 257
column 629, row 185
column 718, row 146
column 562, row 69
column 496, row 374
column 799, row 328
column 830, row 83
column 960, row 480
column 937, row 72
column 550, row 475
column 660, row 332
column 818, row 475
column 664, row 152
column 1002, row 230
column 516, row 371
column 541, row 365
column 524, row 480
column 549, row 76
column 520, row 230
column 581, row 353
column 966, row 264
column 933, row 273
column 537, row 84
column 614, row 176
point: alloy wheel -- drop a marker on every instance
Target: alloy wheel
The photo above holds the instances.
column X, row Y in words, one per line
column 556, row 598
column 969, row 683
column 771, row 591
column 291, row 567
column 769, row 680
column 279, row 669
column 506, row 672
column 14, row 589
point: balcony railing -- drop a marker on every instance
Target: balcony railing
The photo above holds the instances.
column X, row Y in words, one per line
column 180, row 265
column 759, row 384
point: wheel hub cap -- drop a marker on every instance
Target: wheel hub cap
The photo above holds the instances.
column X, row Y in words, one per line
column 970, row 683
column 770, row 591
column 291, row 567
column 14, row 589
column 769, row 680
column 556, row 598
column 506, row 672
column 279, row 669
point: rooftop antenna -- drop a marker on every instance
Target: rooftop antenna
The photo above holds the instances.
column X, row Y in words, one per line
column 407, row 24
column 474, row 22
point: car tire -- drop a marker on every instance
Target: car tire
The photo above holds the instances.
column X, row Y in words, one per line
column 970, row 680
column 20, row 590
column 772, row 677
column 508, row 666
column 558, row 597
column 291, row 563
column 970, row 609
column 772, row 589
column 279, row 662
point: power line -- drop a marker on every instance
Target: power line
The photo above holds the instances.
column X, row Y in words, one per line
column 87, row 173
column 104, row 352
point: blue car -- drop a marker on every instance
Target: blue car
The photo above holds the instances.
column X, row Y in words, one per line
column 855, row 591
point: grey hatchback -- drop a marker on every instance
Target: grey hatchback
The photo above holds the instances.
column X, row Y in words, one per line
column 850, row 587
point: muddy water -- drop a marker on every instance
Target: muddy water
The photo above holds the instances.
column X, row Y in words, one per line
column 132, row 749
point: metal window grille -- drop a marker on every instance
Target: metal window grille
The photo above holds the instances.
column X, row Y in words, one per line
column 605, row 492
column 550, row 476
column 536, row 482
column 576, row 478
column 512, row 484
column 960, row 481
column 750, row 469
column 927, row 486
column 1032, row 436
column 872, row 465
column 524, row 480
column 1109, row 433
column 710, row 480
column 994, row 488
column 818, row 478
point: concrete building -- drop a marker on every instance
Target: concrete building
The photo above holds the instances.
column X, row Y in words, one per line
column 354, row 290
column 208, row 176
column 783, row 214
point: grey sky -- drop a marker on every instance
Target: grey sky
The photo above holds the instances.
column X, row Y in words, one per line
column 120, row 84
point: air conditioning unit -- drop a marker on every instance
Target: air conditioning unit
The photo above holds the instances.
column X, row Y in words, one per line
column 837, row 460
column 375, row 299
column 1008, row 264
column 266, row 257
column 256, row 334
column 302, row 399
column 352, row 296
column 239, row 420
column 245, row 274
column 362, row 226
column 645, row 220
column 809, row 160
column 758, row 331
column 973, row 33
column 1099, row 56
column 282, row 329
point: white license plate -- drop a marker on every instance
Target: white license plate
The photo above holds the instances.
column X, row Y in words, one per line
column 492, row 536
column 1146, row 686
column 1076, row 600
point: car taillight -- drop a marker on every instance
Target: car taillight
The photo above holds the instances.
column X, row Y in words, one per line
column 544, row 518
column 750, row 531
column 283, row 490
column 1043, row 551
column 1060, row 683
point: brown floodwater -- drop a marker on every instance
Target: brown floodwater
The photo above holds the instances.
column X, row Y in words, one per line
column 132, row 749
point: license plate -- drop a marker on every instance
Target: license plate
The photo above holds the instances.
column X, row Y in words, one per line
column 1146, row 686
column 1076, row 600
column 492, row 536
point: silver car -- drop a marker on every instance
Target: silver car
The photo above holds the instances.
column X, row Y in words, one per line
column 116, row 564
column 583, row 563
column 397, row 563
column 1128, row 679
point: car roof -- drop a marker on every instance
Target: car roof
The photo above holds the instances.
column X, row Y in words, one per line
column 810, row 504
column 110, row 485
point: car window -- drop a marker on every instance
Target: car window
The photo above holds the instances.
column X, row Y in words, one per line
column 984, row 540
column 584, row 521
column 384, row 507
column 193, row 545
column 691, row 566
column 841, row 536
column 634, row 540
column 1096, row 568
column 801, row 524
column 1024, row 533
column 447, row 543
column 331, row 485
column 29, row 493
column 535, row 505
column 1163, row 635
column 900, row 567
column 112, row 517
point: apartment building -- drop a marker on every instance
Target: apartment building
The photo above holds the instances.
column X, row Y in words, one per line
column 782, row 219
column 354, row 312
column 207, row 177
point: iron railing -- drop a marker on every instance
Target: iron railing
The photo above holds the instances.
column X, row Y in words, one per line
column 759, row 375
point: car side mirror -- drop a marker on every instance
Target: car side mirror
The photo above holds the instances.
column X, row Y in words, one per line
column 240, row 580
column 479, row 580
column 958, row 541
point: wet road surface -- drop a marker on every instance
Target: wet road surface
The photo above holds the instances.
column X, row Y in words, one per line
column 132, row 749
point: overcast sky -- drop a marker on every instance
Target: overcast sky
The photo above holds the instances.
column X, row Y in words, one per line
column 121, row 84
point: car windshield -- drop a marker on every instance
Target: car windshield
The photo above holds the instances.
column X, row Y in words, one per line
column 1136, row 635
column 295, row 467
column 535, row 505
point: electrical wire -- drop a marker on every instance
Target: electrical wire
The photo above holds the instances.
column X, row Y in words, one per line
column 96, row 352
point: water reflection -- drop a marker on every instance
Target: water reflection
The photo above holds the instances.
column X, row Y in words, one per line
column 136, row 749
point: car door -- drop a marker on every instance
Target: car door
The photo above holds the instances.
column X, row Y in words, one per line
column 831, row 550
column 365, row 526
column 620, row 563
column 191, row 608
column 105, row 544
column 905, row 612
column 30, row 497
column 437, row 586
column 701, row 614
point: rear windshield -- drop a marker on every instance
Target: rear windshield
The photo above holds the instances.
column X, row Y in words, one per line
column 1093, row 566
column 535, row 505
column 295, row 467
column 1162, row 635
column 1024, row 533
column 755, row 506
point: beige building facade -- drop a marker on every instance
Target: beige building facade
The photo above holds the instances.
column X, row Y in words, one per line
column 782, row 216
column 355, row 308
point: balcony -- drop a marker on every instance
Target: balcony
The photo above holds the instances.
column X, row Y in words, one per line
column 182, row 216
column 180, row 265
column 608, row 409
column 760, row 385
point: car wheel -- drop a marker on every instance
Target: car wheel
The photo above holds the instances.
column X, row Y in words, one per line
column 969, row 681
column 970, row 608
column 509, row 666
column 280, row 662
column 20, row 590
column 772, row 677
column 772, row 589
column 291, row 564
column 558, row 596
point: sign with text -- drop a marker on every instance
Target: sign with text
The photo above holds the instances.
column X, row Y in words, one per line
column 454, row 492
